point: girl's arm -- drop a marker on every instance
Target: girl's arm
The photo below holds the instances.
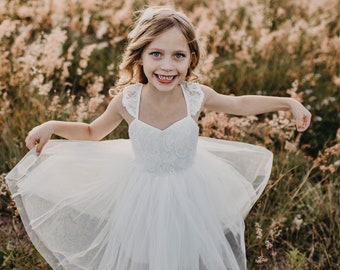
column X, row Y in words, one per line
column 94, row 131
column 256, row 104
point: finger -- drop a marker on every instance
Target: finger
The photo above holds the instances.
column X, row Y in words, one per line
column 40, row 147
column 302, row 124
column 29, row 142
column 301, row 128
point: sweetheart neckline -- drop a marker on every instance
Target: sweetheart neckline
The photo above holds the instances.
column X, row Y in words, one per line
column 165, row 129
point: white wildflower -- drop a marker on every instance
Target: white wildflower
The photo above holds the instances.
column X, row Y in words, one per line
column 298, row 221
column 259, row 232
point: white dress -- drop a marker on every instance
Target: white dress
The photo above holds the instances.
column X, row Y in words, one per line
column 162, row 200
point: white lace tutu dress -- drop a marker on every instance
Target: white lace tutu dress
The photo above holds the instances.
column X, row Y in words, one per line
column 161, row 200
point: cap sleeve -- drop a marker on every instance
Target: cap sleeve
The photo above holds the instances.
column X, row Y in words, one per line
column 194, row 97
column 131, row 98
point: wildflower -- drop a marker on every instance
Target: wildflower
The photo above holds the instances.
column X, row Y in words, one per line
column 3, row 185
column 87, row 50
column 57, row 10
column 81, row 111
column 54, row 106
column 83, row 63
column 261, row 259
column 206, row 24
column 45, row 88
column 208, row 64
column 70, row 51
column 19, row 45
column 4, row 102
column 7, row 27
column 290, row 147
column 65, row 72
column 281, row 13
column 5, row 64
column 86, row 20
column 37, row 81
column 88, row 5
column 123, row 13
column 330, row 168
column 3, row 8
column 336, row 80
column 292, row 91
column 325, row 46
column 94, row 103
column 268, row 244
column 52, row 50
column 68, row 108
column 110, row 69
column 259, row 232
column 275, row 232
column 25, row 11
column 85, row 55
column 298, row 221
column 102, row 29
column 96, row 87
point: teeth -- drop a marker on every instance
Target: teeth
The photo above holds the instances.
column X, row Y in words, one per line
column 165, row 78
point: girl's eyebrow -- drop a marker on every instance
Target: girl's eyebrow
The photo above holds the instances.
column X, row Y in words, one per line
column 161, row 50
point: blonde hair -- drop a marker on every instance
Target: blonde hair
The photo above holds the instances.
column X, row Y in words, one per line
column 153, row 22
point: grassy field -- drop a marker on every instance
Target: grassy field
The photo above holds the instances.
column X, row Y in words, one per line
column 59, row 58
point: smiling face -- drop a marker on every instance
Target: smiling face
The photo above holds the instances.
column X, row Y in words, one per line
column 166, row 60
column 151, row 28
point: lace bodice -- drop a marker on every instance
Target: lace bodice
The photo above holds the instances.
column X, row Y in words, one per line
column 171, row 149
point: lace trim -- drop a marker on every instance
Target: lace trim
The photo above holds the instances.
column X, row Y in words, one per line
column 194, row 95
column 130, row 99
column 192, row 91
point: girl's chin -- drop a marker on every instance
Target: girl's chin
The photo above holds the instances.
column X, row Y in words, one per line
column 163, row 87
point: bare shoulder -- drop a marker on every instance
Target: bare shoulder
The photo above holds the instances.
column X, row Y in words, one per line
column 209, row 93
column 216, row 101
column 116, row 103
column 117, row 107
column 205, row 87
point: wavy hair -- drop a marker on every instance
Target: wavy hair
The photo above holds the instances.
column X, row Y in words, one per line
column 152, row 23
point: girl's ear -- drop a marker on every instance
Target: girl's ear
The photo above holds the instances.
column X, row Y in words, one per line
column 192, row 55
column 193, row 60
column 193, row 63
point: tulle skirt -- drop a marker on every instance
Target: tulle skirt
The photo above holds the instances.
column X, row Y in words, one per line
column 88, row 205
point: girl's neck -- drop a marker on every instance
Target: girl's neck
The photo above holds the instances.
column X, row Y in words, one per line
column 153, row 94
column 160, row 109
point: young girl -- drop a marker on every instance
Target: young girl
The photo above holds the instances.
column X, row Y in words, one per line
column 166, row 199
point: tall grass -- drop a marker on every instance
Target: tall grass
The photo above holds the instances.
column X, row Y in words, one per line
column 58, row 59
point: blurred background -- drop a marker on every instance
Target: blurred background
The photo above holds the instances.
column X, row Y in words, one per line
column 59, row 58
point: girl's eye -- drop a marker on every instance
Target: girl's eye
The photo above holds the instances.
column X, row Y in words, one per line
column 179, row 55
column 155, row 54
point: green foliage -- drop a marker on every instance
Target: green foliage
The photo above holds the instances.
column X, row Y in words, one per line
column 296, row 260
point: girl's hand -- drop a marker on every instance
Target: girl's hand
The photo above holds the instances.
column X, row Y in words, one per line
column 301, row 114
column 39, row 136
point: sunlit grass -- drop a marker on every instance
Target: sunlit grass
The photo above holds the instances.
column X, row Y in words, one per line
column 58, row 61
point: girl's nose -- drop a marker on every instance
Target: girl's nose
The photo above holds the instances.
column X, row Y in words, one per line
column 166, row 65
column 166, row 68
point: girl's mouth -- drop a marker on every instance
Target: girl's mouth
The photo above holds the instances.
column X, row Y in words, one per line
column 165, row 78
